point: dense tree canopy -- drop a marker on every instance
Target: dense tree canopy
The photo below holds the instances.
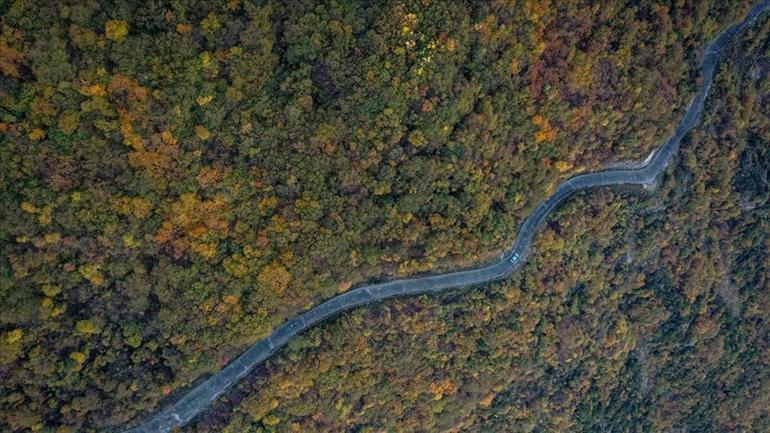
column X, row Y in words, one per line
column 180, row 177
column 638, row 312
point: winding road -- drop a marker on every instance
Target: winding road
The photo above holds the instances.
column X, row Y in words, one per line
column 199, row 397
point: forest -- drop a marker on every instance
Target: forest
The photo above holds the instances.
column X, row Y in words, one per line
column 640, row 311
column 178, row 178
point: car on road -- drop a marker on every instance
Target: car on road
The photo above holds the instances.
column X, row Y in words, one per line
column 514, row 258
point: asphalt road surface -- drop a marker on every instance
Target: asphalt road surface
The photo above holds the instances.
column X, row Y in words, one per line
column 199, row 397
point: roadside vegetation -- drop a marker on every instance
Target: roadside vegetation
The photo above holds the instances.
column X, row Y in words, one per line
column 638, row 312
column 177, row 179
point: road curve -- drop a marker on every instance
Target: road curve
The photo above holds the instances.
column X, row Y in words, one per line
column 199, row 397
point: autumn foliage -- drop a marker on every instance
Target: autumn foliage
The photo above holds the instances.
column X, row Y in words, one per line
column 179, row 178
